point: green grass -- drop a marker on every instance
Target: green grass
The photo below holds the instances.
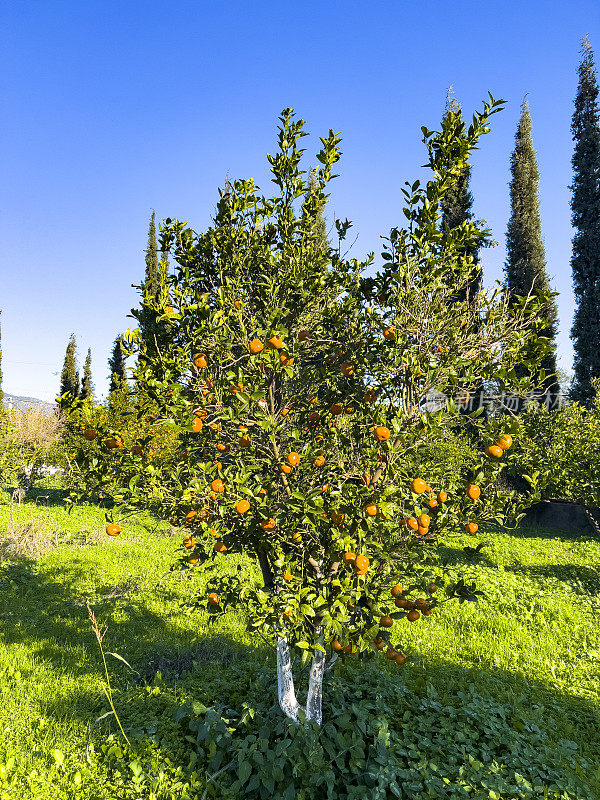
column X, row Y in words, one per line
column 532, row 643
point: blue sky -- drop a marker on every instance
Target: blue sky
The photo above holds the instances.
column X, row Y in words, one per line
column 112, row 109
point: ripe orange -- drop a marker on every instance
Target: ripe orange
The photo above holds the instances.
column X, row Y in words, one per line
column 287, row 575
column 113, row 529
column 319, row 461
column 379, row 643
column 421, row 603
column 361, row 564
column 442, row 497
column 386, row 622
column 348, row 649
column 268, row 524
column 262, row 492
column 371, row 510
column 213, row 599
column 293, row 459
column 137, row 450
column 193, row 559
column 382, row 434
column 275, row 342
column 242, row 506
column 336, row 408
column 245, row 441
column 285, row 358
column 413, row 616
column 424, row 521
column 389, row 333
column 238, row 304
column 349, row 558
column 396, row 590
column 337, row 517
column 412, row 523
column 422, row 531
column 366, row 478
column 303, row 336
column 197, row 425
column 473, row 491
column 200, row 361
column 313, row 417
column 391, row 654
column 426, row 611
column 347, row 369
column 285, row 411
column 217, row 485
column 214, row 533
column 256, row 346
column 113, row 442
column 223, row 448
column 494, row 451
column 337, row 646
column 505, row 441
column 471, row 527
column 370, row 396
column 325, row 487
column 220, row 546
column 188, row 542
column 285, row 468
column 418, row 486
column 89, row 434
column 432, row 588
column 404, row 602
column 432, row 503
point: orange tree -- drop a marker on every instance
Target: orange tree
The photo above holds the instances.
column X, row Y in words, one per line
column 297, row 387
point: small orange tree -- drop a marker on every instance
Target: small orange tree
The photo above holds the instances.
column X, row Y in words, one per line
column 297, row 388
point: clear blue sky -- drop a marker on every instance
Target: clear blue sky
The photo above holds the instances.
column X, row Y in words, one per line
column 112, row 109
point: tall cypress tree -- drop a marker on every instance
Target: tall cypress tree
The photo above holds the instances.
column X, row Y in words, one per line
column 585, row 207
column 116, row 365
column 525, row 267
column 146, row 315
column 69, row 377
column 87, row 387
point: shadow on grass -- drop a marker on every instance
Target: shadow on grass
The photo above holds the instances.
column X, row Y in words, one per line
column 583, row 580
column 43, row 610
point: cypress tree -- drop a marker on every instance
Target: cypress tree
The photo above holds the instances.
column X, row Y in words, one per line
column 525, row 267
column 585, row 207
column 87, row 387
column 69, row 377
column 116, row 365
column 151, row 289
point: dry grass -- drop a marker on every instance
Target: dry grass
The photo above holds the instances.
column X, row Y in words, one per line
column 30, row 539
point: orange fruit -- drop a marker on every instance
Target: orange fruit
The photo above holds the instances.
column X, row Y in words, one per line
column 494, row 451
column 471, row 527
column 325, row 487
column 361, row 564
column 245, row 441
column 319, row 461
column 337, row 646
column 217, row 485
column 113, row 442
column 413, row 616
column 285, row 468
column 215, row 534
column 432, row 503
column 137, row 450
column 424, row 521
column 473, row 491
column 336, row 408
column 188, row 542
column 113, row 529
column 285, row 411
column 89, row 434
column 418, row 486
column 268, row 524
column 400, row 659
column 262, row 492
column 242, row 506
column 396, row 590
column 293, row 459
column 391, row 654
column 285, row 358
column 386, row 622
column 238, row 304
column 348, row 649
column 347, row 369
column 337, row 517
column 366, row 478
column 349, row 558
column 220, row 546
column 193, row 559
column 421, row 603
column 412, row 523
column 442, row 497
column 191, row 516
column 505, row 441
column 389, row 333
column 422, row 531
column 200, row 361
column 256, row 346
column 213, row 599
column 287, row 614
column 287, row 575
column 216, row 426
column 313, row 417
column 404, row 602
column 303, row 336
column 275, row 342
column 370, row 396
column 197, row 425
column 371, row 510
column 379, row 643
column 223, row 448
column 426, row 611
column 382, row 434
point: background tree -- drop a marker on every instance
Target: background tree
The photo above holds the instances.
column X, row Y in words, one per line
column 69, row 377
column 116, row 366
column 525, row 267
column 585, row 207
column 87, row 386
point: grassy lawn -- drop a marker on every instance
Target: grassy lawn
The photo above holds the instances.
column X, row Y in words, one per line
column 529, row 649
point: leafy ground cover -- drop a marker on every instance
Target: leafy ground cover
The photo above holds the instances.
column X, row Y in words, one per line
column 498, row 700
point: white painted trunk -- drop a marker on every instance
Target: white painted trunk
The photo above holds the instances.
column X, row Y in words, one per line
column 285, row 683
column 314, row 698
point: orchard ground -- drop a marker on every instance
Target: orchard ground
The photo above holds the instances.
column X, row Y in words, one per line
column 526, row 656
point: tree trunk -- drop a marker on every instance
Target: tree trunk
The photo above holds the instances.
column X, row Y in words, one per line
column 285, row 680
column 314, row 698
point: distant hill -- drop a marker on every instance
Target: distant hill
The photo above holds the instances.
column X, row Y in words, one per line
column 23, row 403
